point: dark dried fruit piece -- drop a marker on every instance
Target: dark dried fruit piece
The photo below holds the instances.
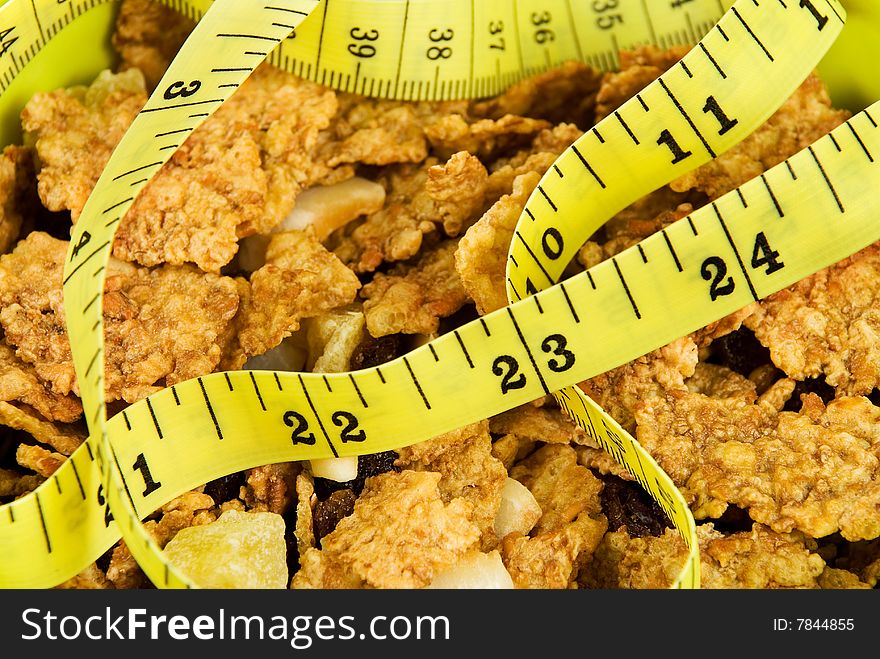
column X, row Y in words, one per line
column 368, row 465
column 739, row 351
column 225, row 488
column 734, row 520
column 373, row 352
column 327, row 513
column 816, row 386
column 290, row 541
column 625, row 503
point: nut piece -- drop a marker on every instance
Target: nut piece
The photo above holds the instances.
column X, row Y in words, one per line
column 340, row 470
column 326, row 208
column 519, row 511
column 475, row 571
column 239, row 550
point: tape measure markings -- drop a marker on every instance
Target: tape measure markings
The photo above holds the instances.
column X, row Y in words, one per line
column 610, row 161
column 354, row 429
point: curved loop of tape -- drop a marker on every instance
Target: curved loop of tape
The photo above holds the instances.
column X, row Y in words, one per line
column 156, row 449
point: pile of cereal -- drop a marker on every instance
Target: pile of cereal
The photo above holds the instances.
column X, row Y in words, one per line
column 305, row 229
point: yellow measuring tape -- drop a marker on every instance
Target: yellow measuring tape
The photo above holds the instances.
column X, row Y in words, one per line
column 813, row 210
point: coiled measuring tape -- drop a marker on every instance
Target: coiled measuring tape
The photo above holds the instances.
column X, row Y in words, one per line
column 812, row 211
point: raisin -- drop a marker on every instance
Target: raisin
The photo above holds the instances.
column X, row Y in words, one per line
column 368, row 465
column 225, row 488
column 739, row 351
column 103, row 561
column 816, row 386
column 625, row 503
column 329, row 512
column 290, row 540
column 734, row 520
column 461, row 317
column 374, row 352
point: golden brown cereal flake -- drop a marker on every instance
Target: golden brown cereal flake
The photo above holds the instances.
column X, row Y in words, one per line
column 720, row 382
column 19, row 382
column 485, row 138
column 481, row 257
column 160, row 324
column 541, row 424
column 760, row 558
column 62, row 437
column 638, row 69
column 468, row 470
column 304, row 530
column 458, row 192
column 815, row 471
column 411, row 299
column 377, row 132
column 400, row 535
column 835, row 579
column 237, row 174
column 192, row 508
column 92, row 578
column 75, row 131
column 148, row 36
column 38, row 459
column 552, row 559
column 16, row 180
column 563, row 488
column 827, row 324
column 619, row 390
column 508, row 449
column 564, row 93
column 301, row 279
column 271, row 488
column 543, row 152
column 14, row 484
column 863, row 559
column 418, row 199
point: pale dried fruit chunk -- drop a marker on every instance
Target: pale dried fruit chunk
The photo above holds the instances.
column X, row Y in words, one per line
column 332, row 339
column 518, row 512
column 301, row 279
column 475, row 571
column 239, row 550
column 340, row 470
column 289, row 355
column 563, row 488
column 327, row 208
